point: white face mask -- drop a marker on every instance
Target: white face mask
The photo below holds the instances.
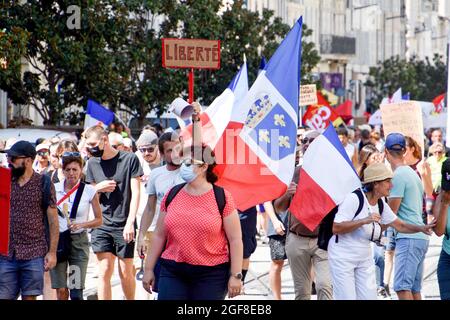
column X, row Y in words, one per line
column 187, row 173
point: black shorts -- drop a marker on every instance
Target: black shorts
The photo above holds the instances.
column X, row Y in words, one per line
column 112, row 241
column 248, row 228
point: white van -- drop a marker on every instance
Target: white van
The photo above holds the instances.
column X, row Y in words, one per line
column 166, row 120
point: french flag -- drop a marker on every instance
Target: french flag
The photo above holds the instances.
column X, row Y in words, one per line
column 326, row 178
column 5, row 197
column 258, row 149
column 216, row 118
column 97, row 114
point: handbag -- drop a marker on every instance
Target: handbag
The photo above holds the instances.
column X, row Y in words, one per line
column 65, row 239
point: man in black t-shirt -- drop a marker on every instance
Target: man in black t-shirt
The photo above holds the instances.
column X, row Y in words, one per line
column 116, row 176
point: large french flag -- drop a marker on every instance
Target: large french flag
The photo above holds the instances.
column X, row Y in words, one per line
column 5, row 197
column 258, row 148
column 216, row 118
column 97, row 114
column 326, row 178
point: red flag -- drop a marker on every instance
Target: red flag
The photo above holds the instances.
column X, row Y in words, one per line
column 319, row 117
column 439, row 103
column 5, row 197
column 321, row 100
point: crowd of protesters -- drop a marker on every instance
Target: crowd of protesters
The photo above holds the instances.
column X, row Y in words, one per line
column 122, row 198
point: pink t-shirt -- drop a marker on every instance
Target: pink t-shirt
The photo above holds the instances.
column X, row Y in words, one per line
column 194, row 227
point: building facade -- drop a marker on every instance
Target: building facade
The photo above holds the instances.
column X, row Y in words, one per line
column 354, row 35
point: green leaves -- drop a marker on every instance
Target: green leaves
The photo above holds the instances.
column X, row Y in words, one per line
column 424, row 80
column 115, row 57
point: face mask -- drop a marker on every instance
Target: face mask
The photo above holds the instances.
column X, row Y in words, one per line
column 187, row 173
column 17, row 172
column 96, row 152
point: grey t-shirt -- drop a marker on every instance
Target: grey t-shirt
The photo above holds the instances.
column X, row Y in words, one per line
column 115, row 205
column 283, row 217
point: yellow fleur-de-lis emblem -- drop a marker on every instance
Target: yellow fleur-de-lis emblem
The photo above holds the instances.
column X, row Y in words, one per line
column 283, row 141
column 264, row 136
column 279, row 120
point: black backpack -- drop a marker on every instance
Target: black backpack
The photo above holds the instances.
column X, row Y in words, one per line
column 219, row 194
column 326, row 226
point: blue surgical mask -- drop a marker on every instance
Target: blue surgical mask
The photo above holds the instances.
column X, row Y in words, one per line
column 187, row 173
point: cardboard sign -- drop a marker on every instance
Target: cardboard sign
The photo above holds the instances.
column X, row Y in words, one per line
column 319, row 117
column 308, row 95
column 5, row 197
column 405, row 118
column 191, row 53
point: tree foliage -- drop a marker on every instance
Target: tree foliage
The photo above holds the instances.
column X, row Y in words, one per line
column 115, row 55
column 424, row 80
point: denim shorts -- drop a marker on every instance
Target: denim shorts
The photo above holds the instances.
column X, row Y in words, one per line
column 409, row 258
column 391, row 234
column 21, row 277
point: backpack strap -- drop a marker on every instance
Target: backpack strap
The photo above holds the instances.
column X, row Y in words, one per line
column 46, row 187
column 76, row 202
column 172, row 193
column 380, row 206
column 219, row 194
column 360, row 196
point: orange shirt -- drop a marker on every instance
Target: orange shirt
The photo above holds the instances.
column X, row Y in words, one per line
column 194, row 227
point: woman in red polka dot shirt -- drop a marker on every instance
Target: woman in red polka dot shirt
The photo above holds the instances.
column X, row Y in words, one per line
column 202, row 257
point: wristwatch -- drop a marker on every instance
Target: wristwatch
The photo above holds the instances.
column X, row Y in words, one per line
column 238, row 275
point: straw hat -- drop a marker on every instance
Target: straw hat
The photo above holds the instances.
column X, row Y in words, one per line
column 377, row 172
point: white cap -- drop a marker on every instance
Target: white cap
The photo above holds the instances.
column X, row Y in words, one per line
column 42, row 146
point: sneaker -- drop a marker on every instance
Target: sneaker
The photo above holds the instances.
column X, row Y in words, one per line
column 382, row 292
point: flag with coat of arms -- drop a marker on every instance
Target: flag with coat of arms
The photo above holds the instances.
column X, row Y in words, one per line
column 259, row 161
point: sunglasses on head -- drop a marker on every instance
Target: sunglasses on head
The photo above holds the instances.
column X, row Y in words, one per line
column 307, row 140
column 188, row 162
column 68, row 154
column 148, row 149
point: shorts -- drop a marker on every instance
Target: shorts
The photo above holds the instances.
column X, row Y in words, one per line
column 277, row 246
column 409, row 258
column 391, row 235
column 112, row 241
column 248, row 228
column 75, row 268
column 21, row 277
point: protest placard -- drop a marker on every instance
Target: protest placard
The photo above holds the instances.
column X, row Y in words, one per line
column 5, row 195
column 308, row 95
column 405, row 118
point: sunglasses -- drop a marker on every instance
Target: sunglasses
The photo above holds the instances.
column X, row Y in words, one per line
column 189, row 162
column 68, row 154
column 147, row 150
column 42, row 153
column 306, row 140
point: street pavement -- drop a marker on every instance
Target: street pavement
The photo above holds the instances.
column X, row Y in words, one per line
column 257, row 281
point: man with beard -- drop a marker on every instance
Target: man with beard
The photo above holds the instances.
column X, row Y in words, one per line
column 116, row 175
column 161, row 180
column 32, row 197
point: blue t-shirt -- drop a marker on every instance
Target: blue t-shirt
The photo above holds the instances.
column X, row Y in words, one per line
column 283, row 217
column 408, row 186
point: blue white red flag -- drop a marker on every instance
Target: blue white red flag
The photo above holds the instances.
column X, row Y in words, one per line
column 219, row 114
column 97, row 114
column 326, row 178
column 260, row 153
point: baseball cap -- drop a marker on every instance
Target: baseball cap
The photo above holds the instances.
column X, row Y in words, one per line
column 21, row 149
column 377, row 172
column 395, row 142
column 42, row 146
column 446, row 175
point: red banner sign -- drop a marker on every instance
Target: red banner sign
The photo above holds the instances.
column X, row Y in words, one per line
column 319, row 117
column 5, row 196
column 191, row 53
